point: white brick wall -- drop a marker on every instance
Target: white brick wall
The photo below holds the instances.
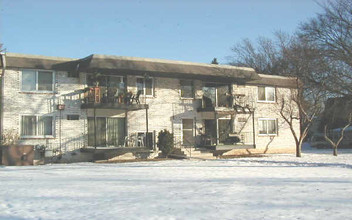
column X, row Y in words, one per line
column 166, row 110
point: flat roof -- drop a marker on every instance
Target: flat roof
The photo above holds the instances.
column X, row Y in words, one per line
column 138, row 66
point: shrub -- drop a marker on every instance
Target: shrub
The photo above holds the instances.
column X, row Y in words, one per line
column 165, row 142
column 10, row 137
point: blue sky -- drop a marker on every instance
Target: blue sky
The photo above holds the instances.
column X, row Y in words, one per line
column 190, row 30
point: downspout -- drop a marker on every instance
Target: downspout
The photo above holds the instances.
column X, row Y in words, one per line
column 3, row 65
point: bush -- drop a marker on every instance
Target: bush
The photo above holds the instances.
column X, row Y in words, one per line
column 165, row 142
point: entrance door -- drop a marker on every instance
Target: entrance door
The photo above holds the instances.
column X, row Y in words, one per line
column 225, row 128
column 210, row 130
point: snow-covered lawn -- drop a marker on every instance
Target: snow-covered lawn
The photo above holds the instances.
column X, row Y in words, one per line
column 316, row 186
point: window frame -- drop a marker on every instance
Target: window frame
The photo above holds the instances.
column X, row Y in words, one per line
column 193, row 90
column 267, row 127
column 53, row 73
column 37, row 116
column 266, row 94
column 144, row 88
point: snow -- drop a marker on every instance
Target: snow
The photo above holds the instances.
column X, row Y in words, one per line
column 316, row 186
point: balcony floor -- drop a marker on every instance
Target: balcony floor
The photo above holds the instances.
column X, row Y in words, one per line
column 129, row 107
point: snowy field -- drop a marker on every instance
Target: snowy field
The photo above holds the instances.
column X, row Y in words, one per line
column 316, row 186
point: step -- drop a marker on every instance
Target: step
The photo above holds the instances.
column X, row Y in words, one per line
column 198, row 153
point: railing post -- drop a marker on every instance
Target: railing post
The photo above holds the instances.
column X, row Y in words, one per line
column 253, row 129
column 146, row 125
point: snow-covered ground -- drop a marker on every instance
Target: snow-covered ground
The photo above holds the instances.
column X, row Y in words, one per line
column 316, row 186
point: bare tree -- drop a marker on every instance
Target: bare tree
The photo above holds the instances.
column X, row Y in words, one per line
column 336, row 144
column 290, row 56
column 264, row 58
column 330, row 32
column 295, row 109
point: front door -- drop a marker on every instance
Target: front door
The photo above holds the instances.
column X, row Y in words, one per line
column 225, row 128
column 210, row 130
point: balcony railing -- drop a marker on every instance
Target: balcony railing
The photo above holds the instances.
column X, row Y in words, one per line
column 237, row 102
column 102, row 97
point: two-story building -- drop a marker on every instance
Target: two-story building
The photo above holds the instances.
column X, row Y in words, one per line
column 123, row 102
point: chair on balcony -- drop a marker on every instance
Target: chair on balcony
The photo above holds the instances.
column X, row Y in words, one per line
column 128, row 97
column 136, row 97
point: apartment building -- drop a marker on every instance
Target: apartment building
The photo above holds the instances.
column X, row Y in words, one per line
column 123, row 102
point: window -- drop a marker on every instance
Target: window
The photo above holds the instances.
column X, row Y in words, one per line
column 109, row 131
column 36, row 126
column 267, row 126
column 37, row 80
column 266, row 94
column 187, row 132
column 187, row 90
column 72, row 117
column 145, row 85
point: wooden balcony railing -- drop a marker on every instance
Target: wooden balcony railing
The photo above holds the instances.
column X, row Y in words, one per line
column 111, row 98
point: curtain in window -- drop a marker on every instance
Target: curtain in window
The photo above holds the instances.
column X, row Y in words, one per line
column 112, row 131
column 187, row 131
column 115, row 131
column 28, row 126
column 261, row 93
column 271, row 126
column 100, row 129
column 223, row 96
column 149, row 86
column 186, row 89
column 45, row 80
column 45, row 125
column 28, row 80
column 90, row 131
column 140, row 85
column 262, row 126
column 270, row 96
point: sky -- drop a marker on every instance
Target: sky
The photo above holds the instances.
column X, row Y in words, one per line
column 188, row 30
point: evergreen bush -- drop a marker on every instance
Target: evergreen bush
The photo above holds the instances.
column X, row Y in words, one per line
column 165, row 142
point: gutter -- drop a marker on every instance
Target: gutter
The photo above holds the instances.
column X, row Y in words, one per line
column 3, row 65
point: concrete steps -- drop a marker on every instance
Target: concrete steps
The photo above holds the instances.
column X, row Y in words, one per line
column 198, row 153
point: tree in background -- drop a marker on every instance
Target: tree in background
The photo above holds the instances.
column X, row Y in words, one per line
column 319, row 56
column 330, row 32
column 214, row 61
column 335, row 144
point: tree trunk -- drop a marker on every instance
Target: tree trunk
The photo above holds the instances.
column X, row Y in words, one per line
column 335, row 151
column 298, row 150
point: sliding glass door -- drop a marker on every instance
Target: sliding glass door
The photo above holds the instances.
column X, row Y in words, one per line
column 109, row 131
column 217, row 95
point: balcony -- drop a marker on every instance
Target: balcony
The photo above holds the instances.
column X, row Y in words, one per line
column 237, row 103
column 110, row 98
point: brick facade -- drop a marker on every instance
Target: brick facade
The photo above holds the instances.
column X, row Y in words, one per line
column 166, row 111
